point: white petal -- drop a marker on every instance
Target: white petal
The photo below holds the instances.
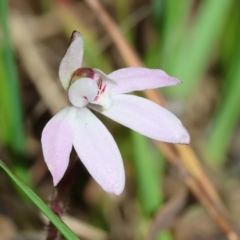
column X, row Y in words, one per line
column 57, row 138
column 146, row 118
column 82, row 91
column 98, row 151
column 139, row 78
column 72, row 60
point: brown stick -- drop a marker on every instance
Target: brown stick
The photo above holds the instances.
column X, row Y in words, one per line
column 184, row 156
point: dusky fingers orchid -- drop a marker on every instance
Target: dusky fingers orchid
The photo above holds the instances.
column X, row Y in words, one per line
column 77, row 126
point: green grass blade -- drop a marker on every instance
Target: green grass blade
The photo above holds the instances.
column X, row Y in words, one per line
column 11, row 81
column 227, row 118
column 187, row 43
column 7, row 126
column 65, row 231
column 174, row 30
column 192, row 60
column 231, row 36
column 148, row 167
column 170, row 19
column 5, row 107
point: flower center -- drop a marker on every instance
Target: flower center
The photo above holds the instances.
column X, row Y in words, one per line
column 102, row 96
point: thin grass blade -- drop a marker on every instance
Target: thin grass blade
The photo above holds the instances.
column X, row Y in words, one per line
column 65, row 231
column 149, row 173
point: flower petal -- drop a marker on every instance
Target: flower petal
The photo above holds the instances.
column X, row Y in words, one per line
column 72, row 60
column 139, row 78
column 146, row 118
column 57, row 138
column 82, row 91
column 98, row 151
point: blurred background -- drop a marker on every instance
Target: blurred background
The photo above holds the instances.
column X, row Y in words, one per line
column 197, row 41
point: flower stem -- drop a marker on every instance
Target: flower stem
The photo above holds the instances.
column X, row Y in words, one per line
column 58, row 203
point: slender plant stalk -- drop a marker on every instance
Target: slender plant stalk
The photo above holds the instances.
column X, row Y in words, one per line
column 58, row 201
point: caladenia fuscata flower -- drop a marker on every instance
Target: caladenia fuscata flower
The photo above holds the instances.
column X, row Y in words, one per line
column 91, row 89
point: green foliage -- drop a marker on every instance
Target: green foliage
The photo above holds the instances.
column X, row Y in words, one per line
column 12, row 134
column 63, row 229
column 188, row 41
column 227, row 117
column 228, row 112
column 190, row 37
column 149, row 173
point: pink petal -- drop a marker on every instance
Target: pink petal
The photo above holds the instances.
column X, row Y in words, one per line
column 72, row 60
column 57, row 138
column 146, row 118
column 82, row 91
column 139, row 78
column 98, row 151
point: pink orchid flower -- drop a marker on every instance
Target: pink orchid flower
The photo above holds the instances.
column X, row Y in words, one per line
column 77, row 126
